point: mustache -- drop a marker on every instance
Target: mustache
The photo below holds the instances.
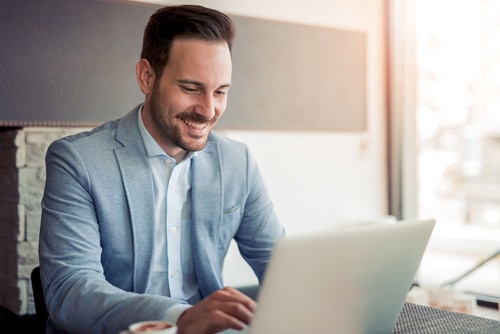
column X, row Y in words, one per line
column 197, row 118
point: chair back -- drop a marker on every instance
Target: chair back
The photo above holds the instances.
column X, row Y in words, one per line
column 42, row 314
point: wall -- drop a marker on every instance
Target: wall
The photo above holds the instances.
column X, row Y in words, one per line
column 22, row 176
column 73, row 97
column 10, row 215
column 317, row 179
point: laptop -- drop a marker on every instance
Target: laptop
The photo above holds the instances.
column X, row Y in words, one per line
column 347, row 280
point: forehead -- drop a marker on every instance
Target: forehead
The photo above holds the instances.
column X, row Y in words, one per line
column 195, row 59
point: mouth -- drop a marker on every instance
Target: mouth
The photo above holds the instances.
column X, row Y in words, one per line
column 199, row 126
column 196, row 125
column 195, row 120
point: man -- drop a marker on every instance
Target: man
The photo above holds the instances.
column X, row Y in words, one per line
column 138, row 214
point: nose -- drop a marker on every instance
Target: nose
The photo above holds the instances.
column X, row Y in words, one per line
column 207, row 107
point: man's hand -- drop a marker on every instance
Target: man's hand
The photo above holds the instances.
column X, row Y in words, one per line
column 224, row 309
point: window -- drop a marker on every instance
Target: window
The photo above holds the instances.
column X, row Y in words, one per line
column 454, row 119
column 458, row 136
column 458, row 112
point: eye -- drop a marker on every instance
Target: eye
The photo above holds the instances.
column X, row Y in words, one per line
column 189, row 89
column 221, row 92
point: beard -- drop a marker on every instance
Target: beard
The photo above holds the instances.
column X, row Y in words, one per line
column 171, row 131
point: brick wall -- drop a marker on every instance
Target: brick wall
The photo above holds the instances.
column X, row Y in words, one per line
column 22, row 177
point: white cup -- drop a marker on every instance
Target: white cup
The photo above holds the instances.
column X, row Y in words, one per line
column 153, row 327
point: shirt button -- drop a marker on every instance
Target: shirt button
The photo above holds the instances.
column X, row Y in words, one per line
column 173, row 230
column 173, row 274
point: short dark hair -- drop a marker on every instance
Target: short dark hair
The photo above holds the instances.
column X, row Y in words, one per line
column 182, row 22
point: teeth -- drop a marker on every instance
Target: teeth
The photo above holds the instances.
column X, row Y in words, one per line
column 198, row 126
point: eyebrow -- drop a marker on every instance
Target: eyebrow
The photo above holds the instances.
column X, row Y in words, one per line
column 199, row 84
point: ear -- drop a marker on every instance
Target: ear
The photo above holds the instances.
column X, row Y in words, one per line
column 145, row 76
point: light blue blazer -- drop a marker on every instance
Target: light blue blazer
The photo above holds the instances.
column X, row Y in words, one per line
column 97, row 231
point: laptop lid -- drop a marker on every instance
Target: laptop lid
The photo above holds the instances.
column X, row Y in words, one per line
column 348, row 280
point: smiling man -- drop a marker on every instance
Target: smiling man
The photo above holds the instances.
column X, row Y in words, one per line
column 138, row 214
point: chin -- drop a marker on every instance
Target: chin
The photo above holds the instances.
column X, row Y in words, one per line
column 198, row 145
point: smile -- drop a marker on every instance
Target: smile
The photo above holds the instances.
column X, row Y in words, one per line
column 195, row 125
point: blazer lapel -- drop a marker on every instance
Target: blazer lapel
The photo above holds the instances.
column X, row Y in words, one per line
column 138, row 184
column 207, row 206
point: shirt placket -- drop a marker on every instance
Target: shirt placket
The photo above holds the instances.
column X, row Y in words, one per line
column 173, row 225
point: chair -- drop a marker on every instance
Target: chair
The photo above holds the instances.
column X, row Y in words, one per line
column 41, row 309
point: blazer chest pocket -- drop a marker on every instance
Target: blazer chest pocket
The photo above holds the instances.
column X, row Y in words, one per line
column 231, row 215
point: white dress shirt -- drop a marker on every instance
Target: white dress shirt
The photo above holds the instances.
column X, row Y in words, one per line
column 173, row 272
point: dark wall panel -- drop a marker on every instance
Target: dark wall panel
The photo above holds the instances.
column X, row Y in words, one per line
column 68, row 61
column 72, row 63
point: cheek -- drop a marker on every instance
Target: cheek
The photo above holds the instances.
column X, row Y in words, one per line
column 220, row 106
column 173, row 104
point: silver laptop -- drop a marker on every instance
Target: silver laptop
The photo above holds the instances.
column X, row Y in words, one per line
column 348, row 280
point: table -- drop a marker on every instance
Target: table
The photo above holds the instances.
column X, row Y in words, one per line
column 420, row 319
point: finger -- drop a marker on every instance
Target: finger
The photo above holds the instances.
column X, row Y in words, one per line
column 241, row 297
column 226, row 320
column 207, row 318
column 236, row 310
column 232, row 304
